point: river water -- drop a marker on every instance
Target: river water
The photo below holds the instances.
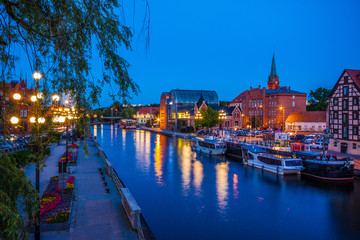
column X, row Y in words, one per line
column 188, row 195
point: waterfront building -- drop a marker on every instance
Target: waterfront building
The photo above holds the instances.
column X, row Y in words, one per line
column 312, row 121
column 177, row 105
column 22, row 108
column 272, row 105
column 343, row 113
column 146, row 115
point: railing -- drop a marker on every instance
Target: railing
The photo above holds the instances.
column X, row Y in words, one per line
column 131, row 208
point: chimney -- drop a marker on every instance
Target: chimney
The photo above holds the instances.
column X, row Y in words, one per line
column 289, row 88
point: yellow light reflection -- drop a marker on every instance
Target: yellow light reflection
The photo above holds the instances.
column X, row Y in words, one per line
column 185, row 165
column 198, row 176
column 158, row 160
column 95, row 130
column 102, row 131
column 111, row 135
column 235, row 183
column 222, row 184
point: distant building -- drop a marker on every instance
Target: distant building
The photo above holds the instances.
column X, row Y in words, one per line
column 343, row 113
column 179, row 108
column 314, row 121
column 146, row 115
column 264, row 104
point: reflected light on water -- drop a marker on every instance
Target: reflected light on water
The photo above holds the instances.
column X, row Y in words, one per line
column 95, row 130
column 112, row 135
column 198, row 177
column 222, row 170
column 235, row 183
column 123, row 132
column 102, row 131
column 185, row 164
column 158, row 160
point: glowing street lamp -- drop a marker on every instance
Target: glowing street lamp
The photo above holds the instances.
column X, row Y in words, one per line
column 14, row 120
column 17, row 96
column 40, row 95
column 33, row 98
column 32, row 119
column 41, row 120
column 37, row 76
column 55, row 98
column 283, row 123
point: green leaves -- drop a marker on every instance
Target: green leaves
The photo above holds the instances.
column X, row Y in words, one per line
column 318, row 99
column 210, row 117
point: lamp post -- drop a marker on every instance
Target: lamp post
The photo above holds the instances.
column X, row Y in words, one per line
column 37, row 76
column 283, row 123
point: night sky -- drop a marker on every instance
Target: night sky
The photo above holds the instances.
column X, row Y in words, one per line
column 227, row 46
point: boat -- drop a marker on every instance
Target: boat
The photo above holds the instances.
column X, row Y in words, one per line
column 326, row 167
column 255, row 156
column 127, row 124
column 209, row 146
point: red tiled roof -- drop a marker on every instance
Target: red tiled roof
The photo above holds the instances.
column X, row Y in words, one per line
column 150, row 110
column 355, row 75
column 311, row 116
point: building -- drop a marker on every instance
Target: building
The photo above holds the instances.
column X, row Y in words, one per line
column 176, row 106
column 272, row 105
column 22, row 108
column 146, row 115
column 314, row 121
column 343, row 113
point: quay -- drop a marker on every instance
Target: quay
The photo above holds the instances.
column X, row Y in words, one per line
column 96, row 213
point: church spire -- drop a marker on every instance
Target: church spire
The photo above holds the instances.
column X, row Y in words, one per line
column 273, row 80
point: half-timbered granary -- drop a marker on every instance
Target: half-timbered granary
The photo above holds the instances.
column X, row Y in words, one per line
column 343, row 113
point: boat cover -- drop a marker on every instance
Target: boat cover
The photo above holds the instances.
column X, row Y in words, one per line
column 253, row 148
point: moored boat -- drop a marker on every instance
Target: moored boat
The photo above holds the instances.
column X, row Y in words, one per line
column 278, row 164
column 209, row 146
column 326, row 167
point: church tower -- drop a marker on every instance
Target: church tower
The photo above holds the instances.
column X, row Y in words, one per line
column 273, row 80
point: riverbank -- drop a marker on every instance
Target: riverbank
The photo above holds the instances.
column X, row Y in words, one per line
column 97, row 214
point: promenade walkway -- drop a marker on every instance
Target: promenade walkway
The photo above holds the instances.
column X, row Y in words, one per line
column 96, row 214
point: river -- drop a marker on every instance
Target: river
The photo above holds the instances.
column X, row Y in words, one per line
column 189, row 195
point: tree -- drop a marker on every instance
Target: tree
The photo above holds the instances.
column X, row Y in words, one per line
column 252, row 122
column 128, row 112
column 318, row 99
column 59, row 38
column 210, row 117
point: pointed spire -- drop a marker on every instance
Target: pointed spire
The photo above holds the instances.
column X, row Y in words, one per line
column 273, row 69
column 201, row 100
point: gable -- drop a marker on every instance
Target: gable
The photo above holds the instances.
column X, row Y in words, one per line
column 353, row 84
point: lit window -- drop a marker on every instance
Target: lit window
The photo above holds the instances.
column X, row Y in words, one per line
column 346, row 90
column 21, row 113
column 293, row 104
column 293, row 96
column 25, row 112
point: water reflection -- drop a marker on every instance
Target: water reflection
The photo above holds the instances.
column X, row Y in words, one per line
column 112, row 135
column 158, row 160
column 102, row 131
column 235, row 183
column 198, row 177
column 222, row 184
column 95, row 130
column 185, row 165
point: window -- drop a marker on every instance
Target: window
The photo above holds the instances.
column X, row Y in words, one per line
column 236, row 123
column 25, row 112
column 345, row 104
column 345, row 118
column 335, row 144
column 293, row 96
column 335, row 115
column 336, row 102
column 336, row 131
column 355, row 130
column 293, row 104
column 21, row 113
column 346, row 90
column 355, row 101
column 345, row 132
column 354, row 145
column 355, row 115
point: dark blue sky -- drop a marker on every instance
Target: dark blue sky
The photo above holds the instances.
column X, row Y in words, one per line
column 227, row 45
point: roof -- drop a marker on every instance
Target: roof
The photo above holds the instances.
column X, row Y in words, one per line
column 191, row 96
column 150, row 110
column 272, row 76
column 237, row 99
column 355, row 75
column 281, row 90
column 253, row 148
column 200, row 101
column 310, row 116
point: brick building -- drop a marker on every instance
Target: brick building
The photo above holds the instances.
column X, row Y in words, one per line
column 272, row 105
column 22, row 108
column 343, row 113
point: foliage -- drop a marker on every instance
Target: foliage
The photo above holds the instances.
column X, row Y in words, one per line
column 210, row 117
column 128, row 112
column 254, row 123
column 318, row 99
column 60, row 218
column 15, row 190
column 22, row 157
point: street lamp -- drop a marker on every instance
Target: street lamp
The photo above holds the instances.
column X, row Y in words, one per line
column 33, row 98
column 14, row 120
column 17, row 96
column 55, row 98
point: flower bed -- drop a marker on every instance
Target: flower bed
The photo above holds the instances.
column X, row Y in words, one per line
column 56, row 206
column 72, row 157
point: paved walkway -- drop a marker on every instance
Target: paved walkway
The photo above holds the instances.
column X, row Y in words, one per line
column 96, row 214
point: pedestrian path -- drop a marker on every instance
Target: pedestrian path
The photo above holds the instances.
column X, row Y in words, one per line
column 96, row 214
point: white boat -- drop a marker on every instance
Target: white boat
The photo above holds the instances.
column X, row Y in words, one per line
column 212, row 147
column 256, row 157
